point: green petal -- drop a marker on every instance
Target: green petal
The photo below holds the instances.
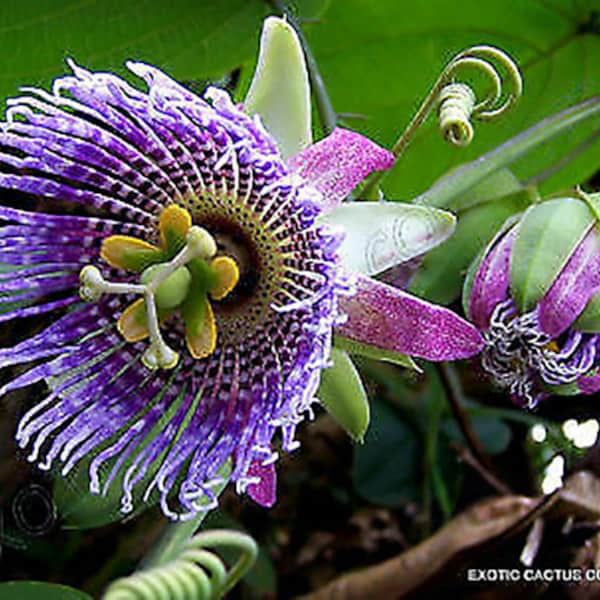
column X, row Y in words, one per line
column 342, row 393
column 380, row 235
column 548, row 234
column 280, row 90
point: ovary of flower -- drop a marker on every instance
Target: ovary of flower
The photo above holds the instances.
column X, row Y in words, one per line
column 199, row 244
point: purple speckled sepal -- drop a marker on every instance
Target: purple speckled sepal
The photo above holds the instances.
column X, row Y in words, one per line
column 338, row 163
column 391, row 319
column 571, row 291
column 265, row 491
column 491, row 282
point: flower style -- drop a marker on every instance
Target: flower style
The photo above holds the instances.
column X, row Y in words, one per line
column 535, row 295
column 191, row 253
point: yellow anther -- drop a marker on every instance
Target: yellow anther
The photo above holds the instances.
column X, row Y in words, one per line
column 228, row 275
column 201, row 334
column 174, row 220
column 127, row 253
column 132, row 324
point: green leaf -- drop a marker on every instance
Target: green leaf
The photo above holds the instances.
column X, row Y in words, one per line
column 380, row 235
column 439, row 278
column 190, row 40
column 280, row 91
column 495, row 435
column 547, row 236
column 367, row 351
column 497, row 185
column 379, row 59
column 386, row 466
column 342, row 393
column 37, row 590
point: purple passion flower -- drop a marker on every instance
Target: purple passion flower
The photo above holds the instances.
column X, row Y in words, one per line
column 191, row 282
column 535, row 295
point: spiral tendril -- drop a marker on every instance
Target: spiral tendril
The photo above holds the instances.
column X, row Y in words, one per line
column 453, row 97
column 457, row 103
column 195, row 572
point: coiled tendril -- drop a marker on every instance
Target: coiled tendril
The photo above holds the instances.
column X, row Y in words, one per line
column 457, row 103
column 195, row 572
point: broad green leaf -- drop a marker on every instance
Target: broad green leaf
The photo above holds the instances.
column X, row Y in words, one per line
column 358, row 349
column 38, row 590
column 379, row 59
column 380, row 235
column 439, row 278
column 548, row 235
column 461, row 179
column 386, row 466
column 309, row 9
column 343, row 395
column 280, row 91
column 498, row 184
column 190, row 40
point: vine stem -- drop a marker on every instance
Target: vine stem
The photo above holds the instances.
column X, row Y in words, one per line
column 466, row 456
column 327, row 114
column 174, row 536
column 454, row 393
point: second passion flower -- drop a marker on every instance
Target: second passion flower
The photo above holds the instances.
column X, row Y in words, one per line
column 535, row 295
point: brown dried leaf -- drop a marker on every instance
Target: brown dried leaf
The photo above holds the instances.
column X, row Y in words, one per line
column 580, row 496
column 407, row 571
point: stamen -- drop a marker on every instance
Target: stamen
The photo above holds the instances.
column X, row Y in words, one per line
column 222, row 274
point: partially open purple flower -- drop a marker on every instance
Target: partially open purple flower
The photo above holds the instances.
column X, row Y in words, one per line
column 535, row 294
column 192, row 278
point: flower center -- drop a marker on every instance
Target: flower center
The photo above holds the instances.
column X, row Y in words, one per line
column 522, row 358
column 181, row 276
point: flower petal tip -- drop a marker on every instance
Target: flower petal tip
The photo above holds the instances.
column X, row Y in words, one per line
column 339, row 162
column 264, row 492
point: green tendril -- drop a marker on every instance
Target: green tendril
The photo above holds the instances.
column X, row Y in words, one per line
column 195, row 572
column 457, row 103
